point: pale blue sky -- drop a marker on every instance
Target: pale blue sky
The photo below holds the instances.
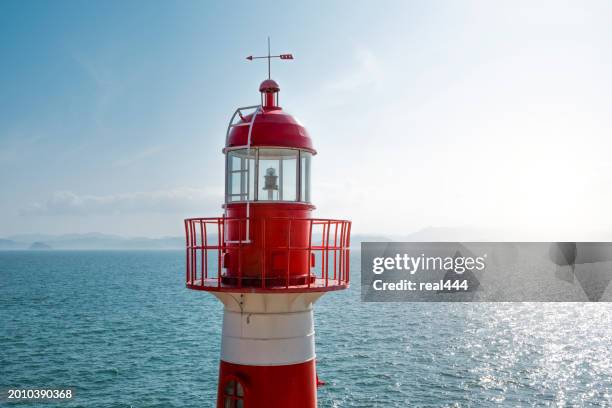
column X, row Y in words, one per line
column 459, row 113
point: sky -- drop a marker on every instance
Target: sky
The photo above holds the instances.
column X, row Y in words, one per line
column 444, row 114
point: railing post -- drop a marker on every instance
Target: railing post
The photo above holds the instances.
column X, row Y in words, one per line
column 220, row 246
column 193, row 252
column 348, row 252
column 187, row 268
column 202, row 255
column 341, row 260
column 335, row 247
column 326, row 246
column 310, row 251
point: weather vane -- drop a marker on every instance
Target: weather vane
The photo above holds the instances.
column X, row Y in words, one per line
column 269, row 57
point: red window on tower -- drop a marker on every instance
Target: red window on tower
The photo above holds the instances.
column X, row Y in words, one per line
column 233, row 394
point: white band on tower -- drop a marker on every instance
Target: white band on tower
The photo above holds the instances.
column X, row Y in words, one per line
column 267, row 339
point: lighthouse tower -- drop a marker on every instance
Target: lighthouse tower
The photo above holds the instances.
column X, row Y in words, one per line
column 267, row 259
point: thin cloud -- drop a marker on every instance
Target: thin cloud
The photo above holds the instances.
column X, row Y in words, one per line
column 161, row 201
column 143, row 154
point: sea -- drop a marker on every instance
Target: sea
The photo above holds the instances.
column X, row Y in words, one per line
column 120, row 329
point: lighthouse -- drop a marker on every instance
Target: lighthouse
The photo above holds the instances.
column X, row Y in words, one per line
column 267, row 259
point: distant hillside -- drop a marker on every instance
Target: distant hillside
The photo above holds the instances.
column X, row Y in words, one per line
column 8, row 244
column 357, row 239
column 88, row 241
column 437, row 234
column 97, row 241
column 453, row 234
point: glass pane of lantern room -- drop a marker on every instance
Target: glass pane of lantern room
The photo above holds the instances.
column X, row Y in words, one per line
column 277, row 175
column 305, row 176
column 240, row 175
column 288, row 190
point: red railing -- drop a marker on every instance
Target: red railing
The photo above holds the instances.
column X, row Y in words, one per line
column 318, row 248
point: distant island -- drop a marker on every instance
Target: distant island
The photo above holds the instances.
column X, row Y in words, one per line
column 39, row 246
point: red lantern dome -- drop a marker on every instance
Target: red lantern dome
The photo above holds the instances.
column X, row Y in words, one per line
column 271, row 126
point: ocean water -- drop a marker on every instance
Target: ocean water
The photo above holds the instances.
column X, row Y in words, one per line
column 121, row 329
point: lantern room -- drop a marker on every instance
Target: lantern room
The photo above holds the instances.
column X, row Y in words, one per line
column 268, row 174
column 268, row 157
